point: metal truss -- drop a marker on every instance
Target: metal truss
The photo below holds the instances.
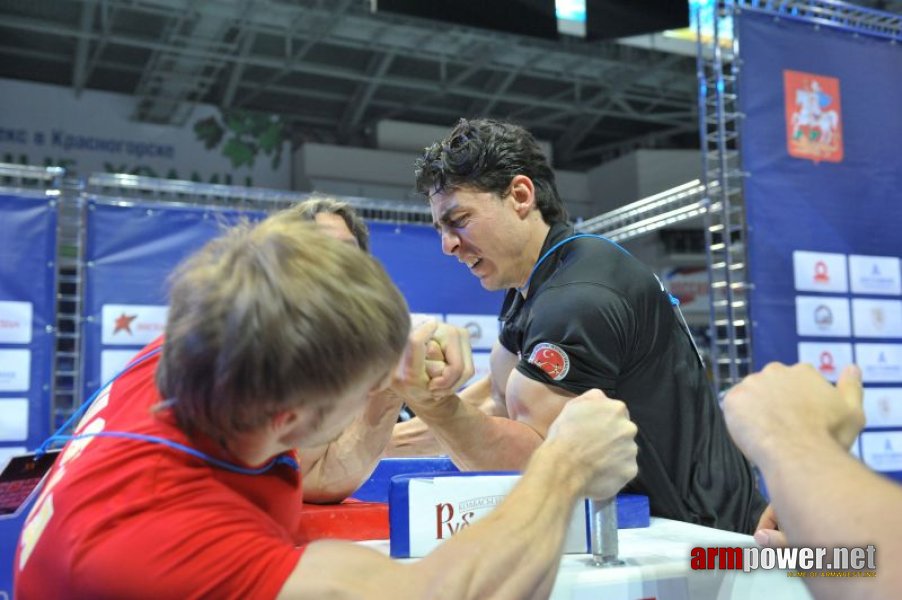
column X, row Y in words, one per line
column 676, row 205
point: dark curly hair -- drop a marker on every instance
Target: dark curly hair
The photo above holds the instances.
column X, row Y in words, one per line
column 486, row 154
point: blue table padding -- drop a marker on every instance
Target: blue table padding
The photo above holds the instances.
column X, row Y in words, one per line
column 376, row 488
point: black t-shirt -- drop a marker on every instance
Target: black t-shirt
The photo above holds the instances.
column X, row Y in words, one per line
column 595, row 317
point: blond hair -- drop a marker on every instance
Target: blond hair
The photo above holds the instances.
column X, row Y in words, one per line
column 267, row 317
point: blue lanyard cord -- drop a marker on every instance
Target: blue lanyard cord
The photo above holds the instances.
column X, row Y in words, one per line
column 87, row 403
column 279, row 460
column 673, row 300
column 58, row 437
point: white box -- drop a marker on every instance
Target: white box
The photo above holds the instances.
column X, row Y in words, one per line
column 883, row 407
column 15, row 370
column 483, row 329
column 425, row 511
column 882, row 450
column 875, row 275
column 824, row 316
column 112, row 362
column 819, row 271
column 877, row 318
column 880, row 363
column 828, row 357
column 132, row 324
column 15, row 322
column 13, row 419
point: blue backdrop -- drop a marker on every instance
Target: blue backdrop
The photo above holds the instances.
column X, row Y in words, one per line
column 27, row 318
column 824, row 208
column 132, row 247
column 27, row 278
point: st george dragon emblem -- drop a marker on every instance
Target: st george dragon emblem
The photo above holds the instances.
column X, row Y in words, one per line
column 813, row 116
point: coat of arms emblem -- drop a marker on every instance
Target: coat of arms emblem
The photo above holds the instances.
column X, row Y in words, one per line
column 813, row 116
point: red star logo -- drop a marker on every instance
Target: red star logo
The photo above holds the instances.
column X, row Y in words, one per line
column 123, row 323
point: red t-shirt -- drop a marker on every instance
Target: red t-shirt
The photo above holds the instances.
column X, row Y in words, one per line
column 122, row 518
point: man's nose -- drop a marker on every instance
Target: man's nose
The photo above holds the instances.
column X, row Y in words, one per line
column 450, row 242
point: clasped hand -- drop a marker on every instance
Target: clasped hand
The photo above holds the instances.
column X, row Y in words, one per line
column 436, row 363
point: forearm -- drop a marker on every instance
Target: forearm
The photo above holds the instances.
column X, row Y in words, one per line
column 824, row 497
column 333, row 472
column 511, row 554
column 413, row 438
column 514, row 552
column 477, row 441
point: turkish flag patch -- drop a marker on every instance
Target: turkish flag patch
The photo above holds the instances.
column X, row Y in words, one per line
column 551, row 359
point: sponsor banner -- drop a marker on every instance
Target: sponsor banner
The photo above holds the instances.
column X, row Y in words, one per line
column 15, row 370
column 883, row 407
column 819, row 271
column 13, row 419
column 28, row 246
column 877, row 318
column 112, row 362
column 440, row 507
column 875, row 275
column 822, row 316
column 94, row 132
column 15, row 322
column 132, row 324
column 880, row 363
column 828, row 358
column 882, row 450
column 483, row 329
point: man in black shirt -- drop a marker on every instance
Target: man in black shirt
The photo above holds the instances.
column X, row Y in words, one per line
column 580, row 313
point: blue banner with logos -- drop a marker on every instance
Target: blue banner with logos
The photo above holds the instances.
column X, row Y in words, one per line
column 28, row 236
column 130, row 250
column 28, row 233
column 820, row 142
column 132, row 247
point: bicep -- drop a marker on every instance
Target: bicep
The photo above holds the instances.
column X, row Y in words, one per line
column 576, row 344
column 534, row 403
column 502, row 363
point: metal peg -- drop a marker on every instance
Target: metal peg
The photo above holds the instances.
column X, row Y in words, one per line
column 603, row 528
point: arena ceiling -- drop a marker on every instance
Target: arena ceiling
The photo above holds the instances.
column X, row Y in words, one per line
column 334, row 70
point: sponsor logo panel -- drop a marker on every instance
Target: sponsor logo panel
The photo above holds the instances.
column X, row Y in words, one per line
column 880, row 363
column 882, row 450
column 15, row 322
column 883, row 407
column 875, row 275
column 483, row 329
column 828, row 358
column 819, row 271
column 132, row 324
column 822, row 316
column 877, row 318
column 15, row 370
column 13, row 420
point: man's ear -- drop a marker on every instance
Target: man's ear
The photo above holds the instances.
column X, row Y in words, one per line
column 307, row 418
column 523, row 195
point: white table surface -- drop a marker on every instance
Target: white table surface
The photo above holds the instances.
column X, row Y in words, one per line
column 657, row 566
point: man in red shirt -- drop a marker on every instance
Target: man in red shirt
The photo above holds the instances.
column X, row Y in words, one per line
column 183, row 481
